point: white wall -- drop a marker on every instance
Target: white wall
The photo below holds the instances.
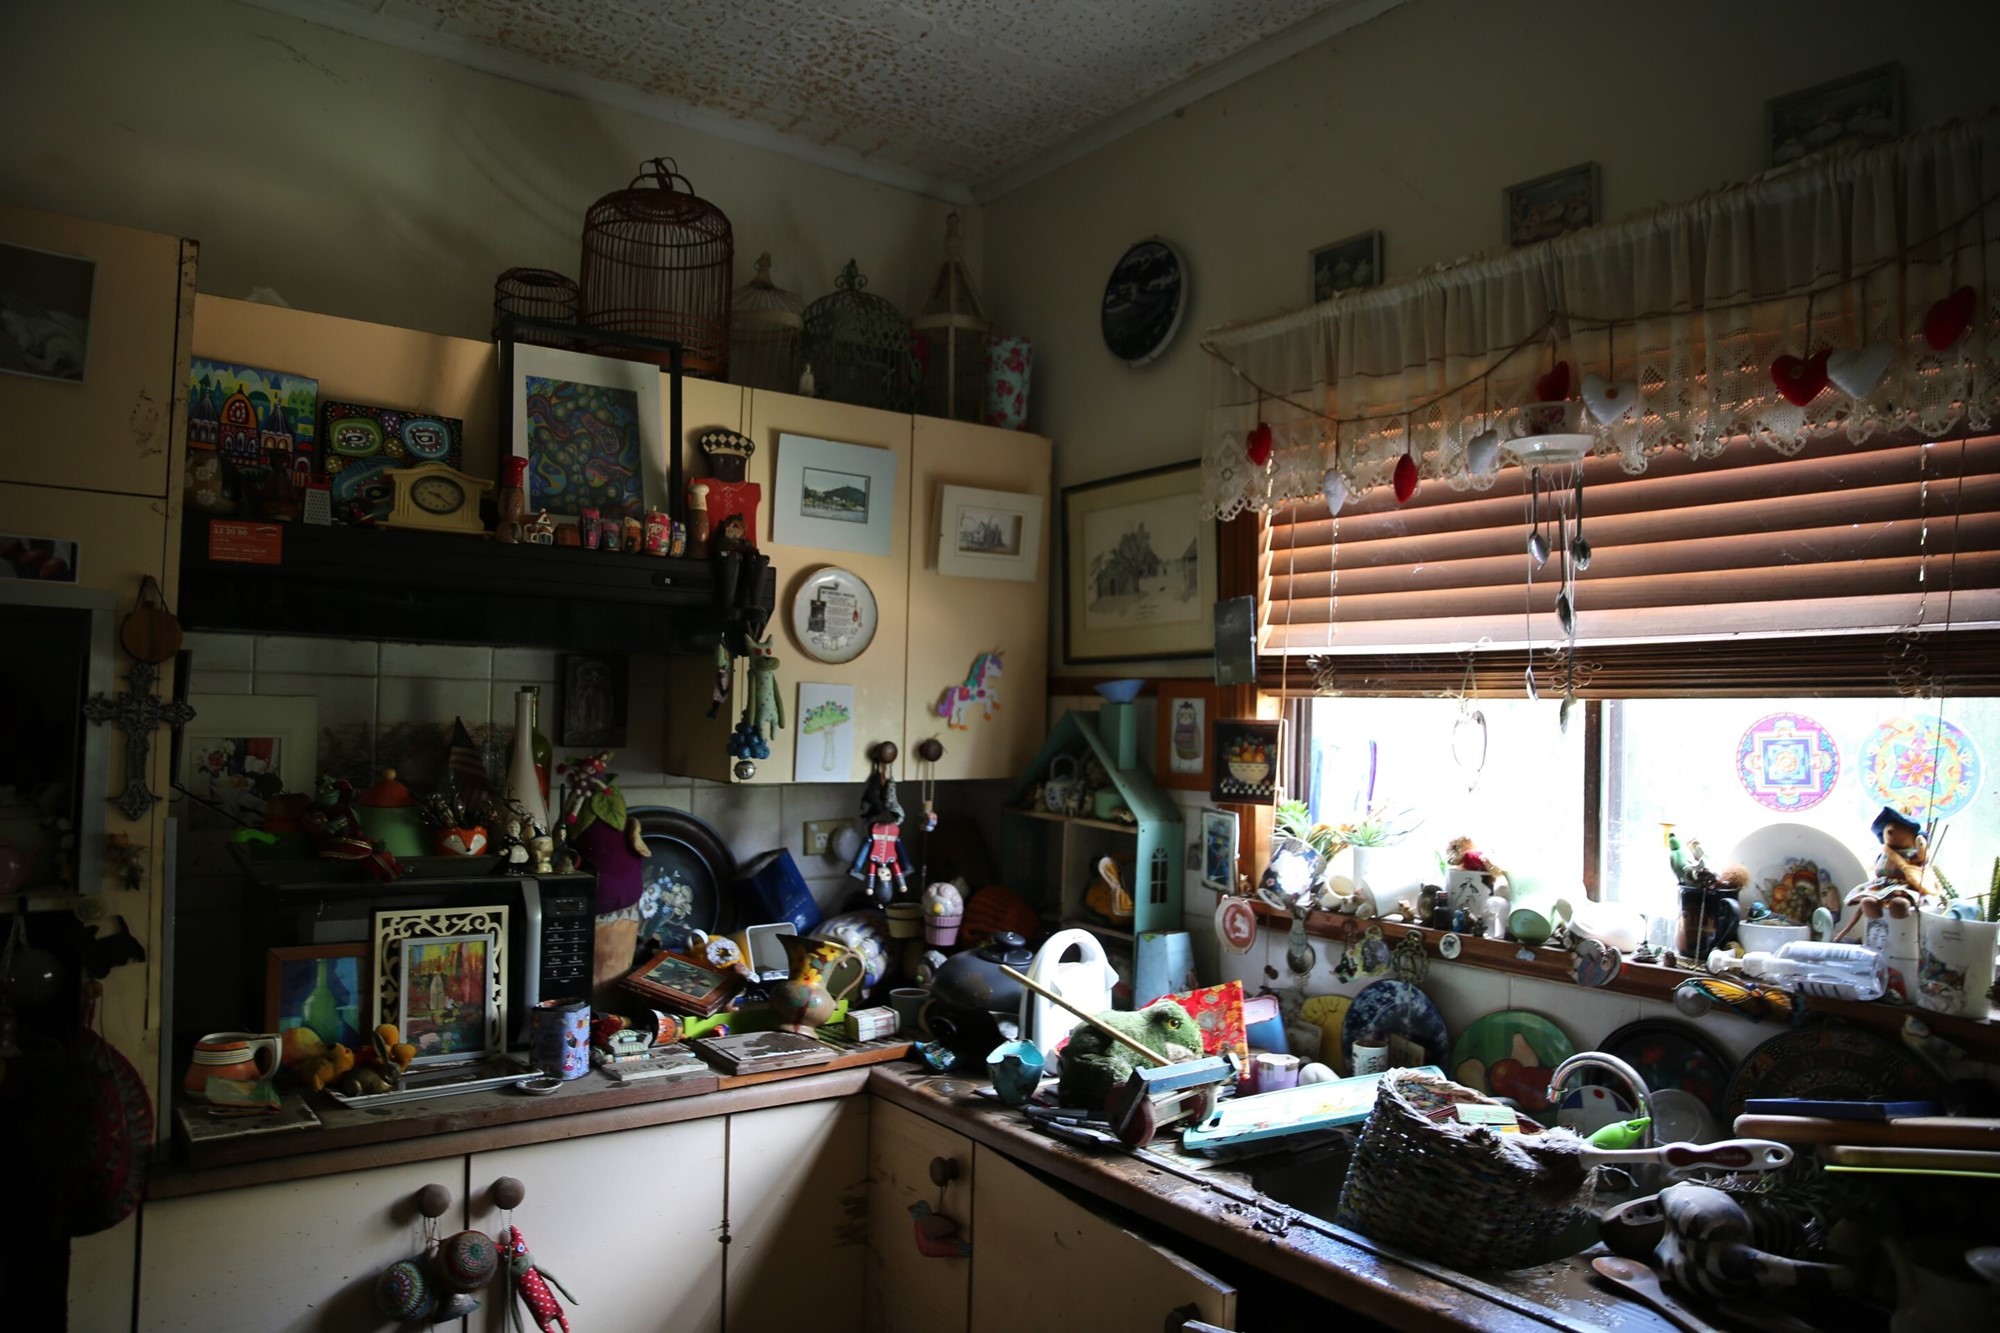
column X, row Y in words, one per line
column 362, row 180
column 1415, row 123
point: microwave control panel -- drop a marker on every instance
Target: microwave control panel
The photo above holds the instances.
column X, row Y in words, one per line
column 569, row 923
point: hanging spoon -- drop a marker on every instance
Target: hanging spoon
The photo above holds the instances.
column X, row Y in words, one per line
column 1579, row 545
column 1538, row 545
column 1534, row 694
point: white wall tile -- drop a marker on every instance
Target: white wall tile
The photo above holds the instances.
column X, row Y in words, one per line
column 672, row 793
column 525, row 663
column 204, row 681
column 500, row 705
column 322, row 657
column 431, row 699
column 341, row 698
column 221, row 652
column 750, row 819
column 450, row 661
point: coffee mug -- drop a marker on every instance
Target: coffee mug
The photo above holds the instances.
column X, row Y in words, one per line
column 908, row 1002
column 1370, row 1059
column 245, row 1057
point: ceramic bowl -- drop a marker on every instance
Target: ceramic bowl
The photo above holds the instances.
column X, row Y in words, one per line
column 1121, row 691
column 1766, row 936
column 1529, row 927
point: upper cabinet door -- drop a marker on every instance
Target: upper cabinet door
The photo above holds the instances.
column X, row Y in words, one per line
column 93, row 348
column 989, row 720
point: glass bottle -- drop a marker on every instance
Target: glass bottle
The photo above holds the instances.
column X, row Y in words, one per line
column 542, row 752
column 524, row 778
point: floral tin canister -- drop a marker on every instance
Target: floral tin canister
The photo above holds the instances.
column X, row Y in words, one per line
column 559, row 1038
column 1009, row 362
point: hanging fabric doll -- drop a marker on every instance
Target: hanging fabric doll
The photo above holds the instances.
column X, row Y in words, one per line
column 881, row 862
column 531, row 1286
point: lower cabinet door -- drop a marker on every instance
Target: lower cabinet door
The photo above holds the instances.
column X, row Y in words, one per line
column 1043, row 1260
column 909, row 1291
column 297, row 1257
column 798, row 1202
column 631, row 1222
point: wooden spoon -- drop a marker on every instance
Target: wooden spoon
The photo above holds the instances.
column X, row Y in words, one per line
column 1644, row 1284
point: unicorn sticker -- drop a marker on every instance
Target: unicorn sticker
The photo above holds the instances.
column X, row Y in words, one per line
column 982, row 686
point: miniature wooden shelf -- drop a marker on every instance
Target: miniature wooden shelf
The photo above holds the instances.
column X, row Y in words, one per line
column 1079, row 820
column 1109, row 932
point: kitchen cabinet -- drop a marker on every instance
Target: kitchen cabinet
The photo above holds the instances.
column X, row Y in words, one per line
column 296, row 1257
column 798, row 1196
column 631, row 1222
column 908, row 1292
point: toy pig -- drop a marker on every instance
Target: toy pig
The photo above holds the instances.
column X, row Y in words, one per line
column 531, row 1286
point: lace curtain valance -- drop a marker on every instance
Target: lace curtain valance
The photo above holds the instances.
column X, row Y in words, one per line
column 1692, row 303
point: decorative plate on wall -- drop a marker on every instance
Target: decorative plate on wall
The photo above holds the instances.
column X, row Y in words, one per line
column 688, row 871
column 1511, row 1053
column 1392, row 1008
column 1830, row 1063
column 833, row 615
column 1144, row 300
column 1668, row 1054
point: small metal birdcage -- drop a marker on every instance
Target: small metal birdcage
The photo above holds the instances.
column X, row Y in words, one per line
column 657, row 262
column 951, row 338
column 857, row 347
column 764, row 325
column 534, row 293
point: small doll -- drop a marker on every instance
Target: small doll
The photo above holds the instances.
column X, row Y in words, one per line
column 767, row 708
column 531, row 1286
column 881, row 862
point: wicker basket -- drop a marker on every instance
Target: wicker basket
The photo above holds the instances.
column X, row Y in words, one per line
column 535, row 293
column 1458, row 1195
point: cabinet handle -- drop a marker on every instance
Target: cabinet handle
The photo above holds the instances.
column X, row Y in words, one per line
column 507, row 1192
column 1187, row 1319
column 944, row 1170
column 433, row 1200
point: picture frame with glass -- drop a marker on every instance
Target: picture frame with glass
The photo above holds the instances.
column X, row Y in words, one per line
column 984, row 534
column 441, row 978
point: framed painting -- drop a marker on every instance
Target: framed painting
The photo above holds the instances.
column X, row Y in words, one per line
column 1180, row 744
column 45, row 302
column 986, row 534
column 441, row 977
column 1138, row 568
column 1246, row 763
column 240, row 751
column 833, row 496
column 1346, row 265
column 1860, row 108
column 319, row 986
column 593, row 700
column 679, row 980
column 253, row 418
column 1548, row 206
column 589, row 427
column 1218, row 850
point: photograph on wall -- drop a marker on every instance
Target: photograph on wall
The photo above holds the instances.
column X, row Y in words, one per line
column 833, row 496
column 1346, row 265
column 825, row 749
column 45, row 312
column 589, row 427
column 1548, row 206
column 1860, row 108
column 1246, row 763
column 239, row 751
column 1138, row 567
column 321, row 987
column 43, row 559
column 985, row 534
column 593, row 700
column 1218, row 850
column 447, row 996
column 839, row 496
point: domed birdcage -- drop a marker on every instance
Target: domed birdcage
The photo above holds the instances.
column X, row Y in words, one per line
column 764, row 325
column 951, row 338
column 535, row 293
column 657, row 262
column 857, row 347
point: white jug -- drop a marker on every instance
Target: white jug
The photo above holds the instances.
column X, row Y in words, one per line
column 1086, row 984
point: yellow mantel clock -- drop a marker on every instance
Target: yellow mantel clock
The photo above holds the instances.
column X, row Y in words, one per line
column 437, row 497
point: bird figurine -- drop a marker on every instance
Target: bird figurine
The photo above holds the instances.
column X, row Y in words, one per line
column 531, row 1286
column 937, row 1235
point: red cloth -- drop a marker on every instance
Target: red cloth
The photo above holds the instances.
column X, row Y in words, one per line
column 1218, row 1012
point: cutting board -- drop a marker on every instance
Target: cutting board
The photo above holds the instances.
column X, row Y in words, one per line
column 1915, row 1132
column 1911, row 1159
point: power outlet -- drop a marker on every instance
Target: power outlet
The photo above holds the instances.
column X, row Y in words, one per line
column 820, row 834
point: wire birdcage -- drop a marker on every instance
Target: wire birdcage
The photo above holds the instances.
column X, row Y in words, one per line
column 951, row 338
column 657, row 262
column 857, row 347
column 535, row 293
column 764, row 325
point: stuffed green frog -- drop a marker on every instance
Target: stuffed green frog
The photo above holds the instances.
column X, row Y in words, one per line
column 1093, row 1064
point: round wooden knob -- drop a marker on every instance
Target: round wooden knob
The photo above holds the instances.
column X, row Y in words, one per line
column 944, row 1170
column 930, row 749
column 433, row 1200
column 883, row 752
column 507, row 1192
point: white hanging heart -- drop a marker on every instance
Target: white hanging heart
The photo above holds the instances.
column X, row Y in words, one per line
column 1858, row 373
column 1482, row 453
column 1334, row 487
column 1610, row 401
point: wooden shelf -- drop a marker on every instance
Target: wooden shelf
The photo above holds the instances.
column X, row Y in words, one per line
column 1109, row 932
column 1979, row 1037
column 1077, row 820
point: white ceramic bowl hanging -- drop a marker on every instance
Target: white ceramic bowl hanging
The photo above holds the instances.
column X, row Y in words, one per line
column 1541, row 434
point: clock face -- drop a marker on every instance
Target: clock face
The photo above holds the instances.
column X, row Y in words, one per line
column 438, row 495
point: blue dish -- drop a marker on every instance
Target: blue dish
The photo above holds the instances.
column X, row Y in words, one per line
column 1392, row 1007
column 1121, row 691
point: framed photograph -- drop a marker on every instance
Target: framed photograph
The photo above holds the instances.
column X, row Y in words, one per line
column 441, row 977
column 1218, row 850
column 680, row 980
column 45, row 301
column 1346, row 265
column 989, row 534
column 1180, row 743
column 593, row 700
column 1246, row 763
column 1548, row 206
column 241, row 750
column 589, row 427
column 42, row 559
column 319, row 986
column 833, row 496
column 1138, row 568
column 1861, row 108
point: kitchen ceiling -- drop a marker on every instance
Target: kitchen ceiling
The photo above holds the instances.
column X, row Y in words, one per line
column 964, row 98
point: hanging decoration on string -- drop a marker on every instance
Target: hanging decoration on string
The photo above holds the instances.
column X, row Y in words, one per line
column 1859, row 371
column 1947, row 320
column 1406, row 471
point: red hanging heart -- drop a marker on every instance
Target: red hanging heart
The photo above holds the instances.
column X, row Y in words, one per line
column 1554, row 386
column 1949, row 319
column 1799, row 379
column 1257, row 444
column 1405, row 479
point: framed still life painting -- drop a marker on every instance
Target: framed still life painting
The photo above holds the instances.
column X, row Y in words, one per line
column 1246, row 763
column 441, row 978
column 589, row 427
column 1139, row 568
column 240, row 750
column 319, row 986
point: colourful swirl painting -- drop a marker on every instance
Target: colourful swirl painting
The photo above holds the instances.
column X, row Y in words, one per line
column 583, row 448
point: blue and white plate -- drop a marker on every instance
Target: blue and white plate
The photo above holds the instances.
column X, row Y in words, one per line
column 1395, row 1008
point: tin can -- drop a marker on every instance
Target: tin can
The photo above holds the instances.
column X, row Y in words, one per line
column 559, row 1037
column 635, row 535
column 586, row 526
column 659, row 532
column 677, row 543
column 610, row 533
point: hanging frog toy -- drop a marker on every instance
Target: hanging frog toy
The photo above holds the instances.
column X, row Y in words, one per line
column 767, row 710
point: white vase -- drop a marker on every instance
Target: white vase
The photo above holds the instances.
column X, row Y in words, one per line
column 1954, row 969
column 524, row 785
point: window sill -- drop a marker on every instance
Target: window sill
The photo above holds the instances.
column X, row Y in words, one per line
column 1979, row 1037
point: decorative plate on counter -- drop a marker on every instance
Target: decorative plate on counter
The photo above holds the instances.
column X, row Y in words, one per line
column 1668, row 1054
column 1795, row 868
column 1511, row 1054
column 1392, row 1008
column 685, row 878
column 1831, row 1063
column 833, row 615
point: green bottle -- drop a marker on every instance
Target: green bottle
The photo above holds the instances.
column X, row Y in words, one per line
column 322, row 1011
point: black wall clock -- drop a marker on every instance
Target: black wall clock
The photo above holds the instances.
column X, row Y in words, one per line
column 1144, row 301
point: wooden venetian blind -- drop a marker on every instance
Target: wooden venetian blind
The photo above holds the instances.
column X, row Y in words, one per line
column 1837, row 540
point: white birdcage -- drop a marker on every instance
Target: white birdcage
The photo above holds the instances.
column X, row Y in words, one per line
column 951, row 338
column 764, row 325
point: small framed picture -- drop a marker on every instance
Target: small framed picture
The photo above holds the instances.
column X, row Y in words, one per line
column 441, row 977
column 679, row 980
column 1548, row 206
column 320, row 986
column 1139, row 567
column 989, row 534
column 593, row 700
column 833, row 496
column 45, row 306
column 1180, row 748
column 1236, row 641
column 1346, row 265
column 1246, row 763
column 1218, row 850
column 1860, row 108
column 243, row 749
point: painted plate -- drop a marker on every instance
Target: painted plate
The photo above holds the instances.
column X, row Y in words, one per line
column 1668, row 1054
column 1511, row 1054
column 1787, row 762
column 685, row 879
column 1925, row 767
column 1830, row 1063
column 1392, row 1008
column 1587, row 1108
column 1328, row 1013
column 1144, row 299
column 1795, row 868
column 833, row 615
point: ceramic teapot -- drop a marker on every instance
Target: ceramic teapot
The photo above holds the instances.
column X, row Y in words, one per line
column 244, row 1057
